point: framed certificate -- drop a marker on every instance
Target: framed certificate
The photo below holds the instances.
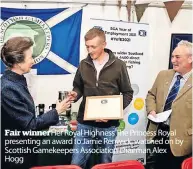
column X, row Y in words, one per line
column 104, row 107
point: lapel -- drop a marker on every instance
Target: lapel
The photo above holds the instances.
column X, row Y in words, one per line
column 186, row 87
column 167, row 82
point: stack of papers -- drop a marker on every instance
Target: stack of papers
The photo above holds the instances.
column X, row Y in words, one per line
column 160, row 117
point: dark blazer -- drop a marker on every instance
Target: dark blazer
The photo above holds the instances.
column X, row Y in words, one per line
column 18, row 111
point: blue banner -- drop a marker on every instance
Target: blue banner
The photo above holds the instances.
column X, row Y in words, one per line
column 55, row 32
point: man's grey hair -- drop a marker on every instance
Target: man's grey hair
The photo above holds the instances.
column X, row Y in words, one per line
column 186, row 44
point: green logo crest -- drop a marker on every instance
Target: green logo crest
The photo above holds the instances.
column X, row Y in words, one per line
column 31, row 27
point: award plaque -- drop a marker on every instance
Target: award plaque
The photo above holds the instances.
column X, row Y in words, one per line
column 104, row 107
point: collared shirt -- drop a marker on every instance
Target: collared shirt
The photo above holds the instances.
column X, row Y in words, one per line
column 99, row 66
column 183, row 80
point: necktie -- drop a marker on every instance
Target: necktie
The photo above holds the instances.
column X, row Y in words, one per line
column 173, row 93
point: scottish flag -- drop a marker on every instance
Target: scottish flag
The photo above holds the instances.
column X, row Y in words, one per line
column 55, row 32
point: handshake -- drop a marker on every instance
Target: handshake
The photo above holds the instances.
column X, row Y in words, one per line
column 64, row 102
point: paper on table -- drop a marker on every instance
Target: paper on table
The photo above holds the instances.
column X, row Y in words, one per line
column 160, row 117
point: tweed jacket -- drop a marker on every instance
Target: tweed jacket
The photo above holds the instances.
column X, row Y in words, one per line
column 181, row 116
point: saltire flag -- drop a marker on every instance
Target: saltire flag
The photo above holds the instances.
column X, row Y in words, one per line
column 55, row 32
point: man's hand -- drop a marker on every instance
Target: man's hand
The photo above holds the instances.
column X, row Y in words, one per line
column 72, row 95
column 102, row 120
column 153, row 113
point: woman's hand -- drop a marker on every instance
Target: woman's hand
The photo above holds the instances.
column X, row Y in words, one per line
column 63, row 105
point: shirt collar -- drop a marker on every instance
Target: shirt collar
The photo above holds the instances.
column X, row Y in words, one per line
column 185, row 76
column 105, row 60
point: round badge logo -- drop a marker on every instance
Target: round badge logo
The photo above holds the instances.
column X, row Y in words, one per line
column 28, row 26
column 121, row 126
column 135, row 88
column 133, row 118
column 138, row 103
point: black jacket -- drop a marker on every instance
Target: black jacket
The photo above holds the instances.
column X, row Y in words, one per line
column 113, row 80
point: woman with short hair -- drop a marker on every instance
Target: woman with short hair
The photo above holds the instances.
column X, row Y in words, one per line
column 17, row 105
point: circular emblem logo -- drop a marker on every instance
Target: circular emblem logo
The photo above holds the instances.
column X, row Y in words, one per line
column 135, row 88
column 32, row 27
column 104, row 101
column 139, row 103
column 121, row 126
column 133, row 118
